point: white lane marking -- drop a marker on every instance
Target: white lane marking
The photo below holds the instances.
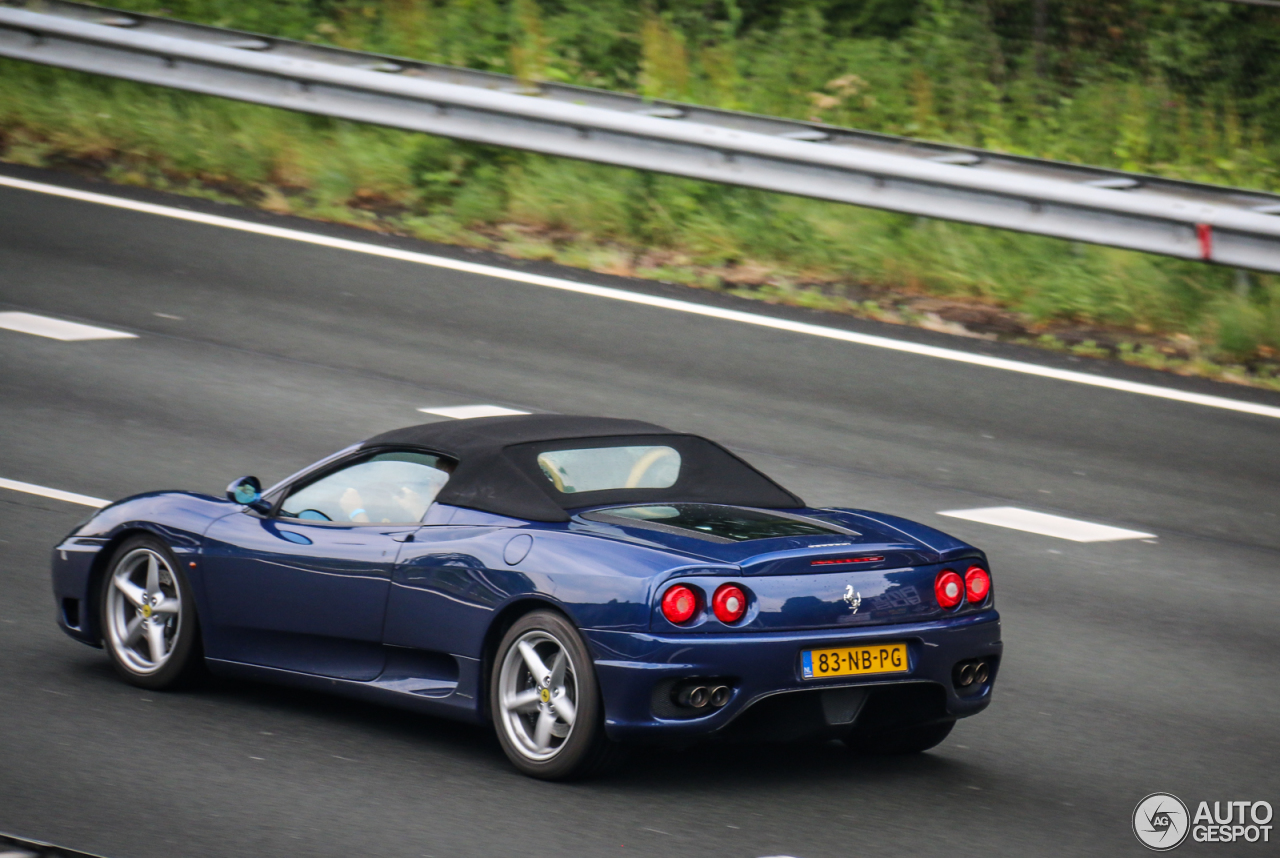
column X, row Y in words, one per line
column 1046, row 525
column 58, row 329
column 462, row 412
column 653, row 300
column 56, row 494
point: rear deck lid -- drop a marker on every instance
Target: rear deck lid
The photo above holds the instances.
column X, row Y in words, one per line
column 717, row 523
column 764, row 541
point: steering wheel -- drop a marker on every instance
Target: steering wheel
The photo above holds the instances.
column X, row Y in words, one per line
column 645, row 463
column 550, row 471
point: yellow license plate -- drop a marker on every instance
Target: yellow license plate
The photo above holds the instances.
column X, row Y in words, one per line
column 854, row 660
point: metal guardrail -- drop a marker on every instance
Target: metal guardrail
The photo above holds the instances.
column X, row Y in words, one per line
column 1098, row 206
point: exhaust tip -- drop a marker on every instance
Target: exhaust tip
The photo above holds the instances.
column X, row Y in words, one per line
column 973, row 675
column 700, row 693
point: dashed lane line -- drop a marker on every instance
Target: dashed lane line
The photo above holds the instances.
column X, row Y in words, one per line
column 58, row 329
column 1046, row 525
column 464, row 412
column 55, row 494
column 690, row 307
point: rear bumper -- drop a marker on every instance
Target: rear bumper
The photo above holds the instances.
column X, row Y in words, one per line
column 631, row 665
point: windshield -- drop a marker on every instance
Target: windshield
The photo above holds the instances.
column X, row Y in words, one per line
column 729, row 523
column 387, row 488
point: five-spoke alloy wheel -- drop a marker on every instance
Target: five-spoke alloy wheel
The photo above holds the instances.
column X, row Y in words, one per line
column 148, row 621
column 538, row 694
column 545, row 701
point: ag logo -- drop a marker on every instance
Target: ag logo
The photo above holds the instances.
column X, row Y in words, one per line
column 1160, row 821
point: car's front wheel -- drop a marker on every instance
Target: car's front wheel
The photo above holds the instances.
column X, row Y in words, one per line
column 148, row 618
column 545, row 700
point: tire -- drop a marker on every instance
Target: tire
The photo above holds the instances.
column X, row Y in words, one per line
column 899, row 742
column 550, row 726
column 148, row 616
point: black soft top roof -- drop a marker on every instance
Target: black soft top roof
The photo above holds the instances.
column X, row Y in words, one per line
column 497, row 467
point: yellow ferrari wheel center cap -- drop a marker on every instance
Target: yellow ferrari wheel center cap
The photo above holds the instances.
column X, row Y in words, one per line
column 546, row 695
column 146, row 611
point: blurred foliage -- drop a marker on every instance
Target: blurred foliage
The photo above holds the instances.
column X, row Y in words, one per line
column 1184, row 88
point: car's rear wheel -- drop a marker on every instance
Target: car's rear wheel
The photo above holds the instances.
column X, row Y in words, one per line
column 545, row 700
column 903, row 740
column 148, row 618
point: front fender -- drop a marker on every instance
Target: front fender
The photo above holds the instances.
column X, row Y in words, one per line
column 79, row 561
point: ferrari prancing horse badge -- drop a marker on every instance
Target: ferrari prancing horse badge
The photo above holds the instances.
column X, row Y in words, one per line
column 853, row 597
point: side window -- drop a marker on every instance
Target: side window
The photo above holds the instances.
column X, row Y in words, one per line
column 387, row 488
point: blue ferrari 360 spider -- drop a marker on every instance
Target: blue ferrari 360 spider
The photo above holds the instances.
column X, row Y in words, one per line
column 580, row 582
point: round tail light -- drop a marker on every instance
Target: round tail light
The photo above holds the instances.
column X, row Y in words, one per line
column 679, row 604
column 729, row 603
column 977, row 584
column 949, row 588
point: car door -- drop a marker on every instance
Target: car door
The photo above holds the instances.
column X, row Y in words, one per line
column 305, row 587
column 447, row 583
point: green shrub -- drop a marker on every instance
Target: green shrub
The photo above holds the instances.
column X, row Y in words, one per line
column 1242, row 326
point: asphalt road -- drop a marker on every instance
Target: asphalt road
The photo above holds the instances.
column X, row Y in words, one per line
column 1131, row 667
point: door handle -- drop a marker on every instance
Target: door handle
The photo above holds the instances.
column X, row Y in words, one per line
column 404, row 537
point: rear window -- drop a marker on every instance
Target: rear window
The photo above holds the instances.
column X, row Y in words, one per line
column 602, row 468
column 711, row 521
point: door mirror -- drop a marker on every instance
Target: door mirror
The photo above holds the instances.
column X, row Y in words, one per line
column 248, row 492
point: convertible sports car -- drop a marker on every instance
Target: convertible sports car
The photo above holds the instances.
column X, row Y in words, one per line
column 580, row 582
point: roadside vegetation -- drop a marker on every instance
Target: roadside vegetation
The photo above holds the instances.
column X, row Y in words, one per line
column 1183, row 88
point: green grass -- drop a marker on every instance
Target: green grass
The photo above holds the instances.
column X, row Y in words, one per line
column 932, row 78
